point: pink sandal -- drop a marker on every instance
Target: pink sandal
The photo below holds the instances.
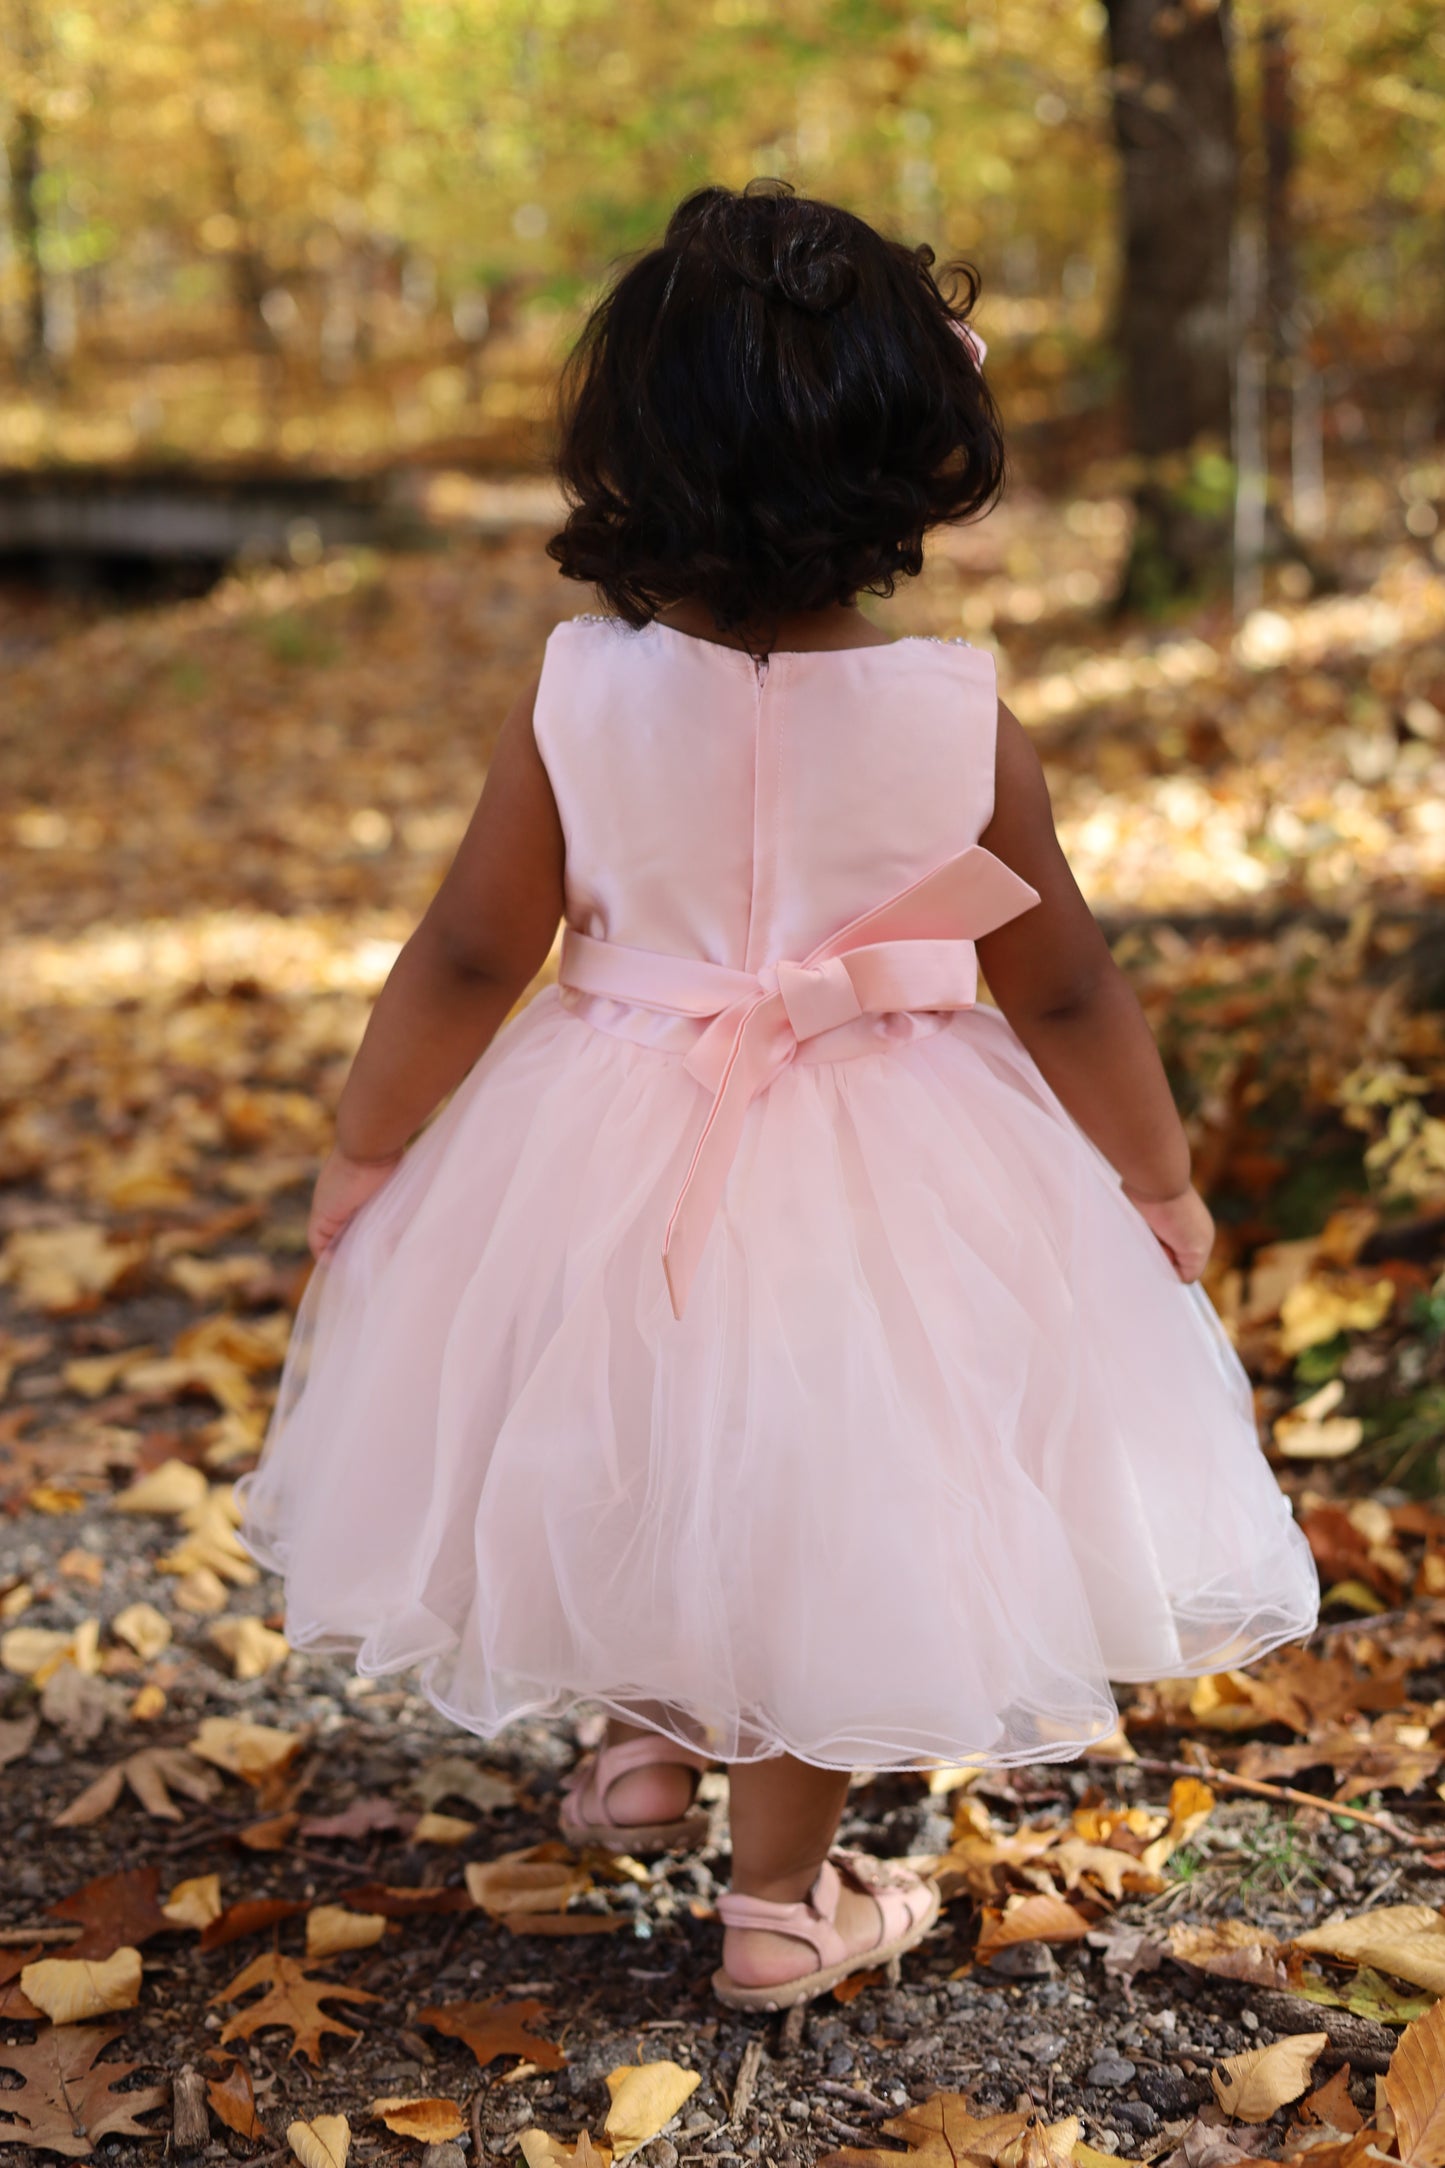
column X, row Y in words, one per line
column 908, row 1903
column 583, row 1814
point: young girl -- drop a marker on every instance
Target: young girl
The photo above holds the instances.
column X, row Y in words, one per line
column 765, row 1343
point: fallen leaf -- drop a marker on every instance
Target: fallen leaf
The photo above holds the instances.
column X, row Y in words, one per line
column 1331, row 2104
column 14, row 2002
column 403, row 1903
column 68, row 1989
column 78, row 1564
column 195, row 1903
column 1232, row 1949
column 1415, row 2089
column 645, row 2098
column 17, row 1736
column 293, row 1999
column 175, row 1487
column 67, row 2099
column 252, row 1751
column 433, row 2121
column 1405, row 1940
column 1127, row 1950
column 77, row 1704
column 442, row 1829
column 66, row 1268
column 540, row 2149
column 250, row 1648
column 1039, row 1918
column 143, row 1628
column 494, row 2028
column 114, row 1911
column 332, row 1928
column 363, row 1818
column 453, row 1776
column 942, row 2132
column 324, row 2142
column 1250, row 2086
column 539, row 1878
column 34, row 1652
column 1367, row 1993
column 1318, row 1308
column 251, row 1916
column 1043, row 2145
column 272, row 1834
column 233, row 2099
column 150, row 1774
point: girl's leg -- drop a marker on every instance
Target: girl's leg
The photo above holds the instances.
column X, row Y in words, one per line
column 784, row 1815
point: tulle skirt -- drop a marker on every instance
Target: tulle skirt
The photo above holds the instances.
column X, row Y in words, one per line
column 940, row 1447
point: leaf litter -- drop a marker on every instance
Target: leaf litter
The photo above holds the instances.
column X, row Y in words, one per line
column 151, row 1255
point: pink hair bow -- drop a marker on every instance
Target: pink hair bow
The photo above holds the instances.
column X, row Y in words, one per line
column 972, row 341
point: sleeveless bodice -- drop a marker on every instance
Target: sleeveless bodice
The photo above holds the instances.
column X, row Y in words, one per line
column 716, row 809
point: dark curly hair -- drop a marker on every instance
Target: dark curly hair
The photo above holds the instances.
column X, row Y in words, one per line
column 768, row 412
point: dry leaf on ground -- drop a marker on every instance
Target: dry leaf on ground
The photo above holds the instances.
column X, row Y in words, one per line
column 453, row 1776
column 233, row 2098
column 324, row 2142
column 174, row 1487
column 1250, row 2086
column 250, row 1648
column 252, row 1751
column 66, row 2099
column 17, row 1736
column 35, row 1652
column 495, row 2028
column 1331, row 2104
column 539, row 2149
column 403, row 1903
column 1415, row 2088
column 143, row 1628
column 150, row 1774
column 645, row 2097
column 433, row 2121
column 68, row 1989
column 442, row 1829
column 1039, row 1918
column 293, row 1999
column 251, row 1916
column 332, row 1928
column 942, row 2132
column 195, row 1903
column 1406, row 1940
column 1233, row 1949
column 540, row 1878
column 114, row 1910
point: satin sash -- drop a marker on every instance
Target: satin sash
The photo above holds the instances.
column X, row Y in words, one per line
column 914, row 951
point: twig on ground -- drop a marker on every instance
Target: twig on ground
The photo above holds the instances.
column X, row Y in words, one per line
column 1285, row 1794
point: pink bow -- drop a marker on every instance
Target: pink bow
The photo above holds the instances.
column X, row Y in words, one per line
column 925, row 959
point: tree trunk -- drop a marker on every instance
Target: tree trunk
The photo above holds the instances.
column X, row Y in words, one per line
column 23, row 152
column 25, row 220
column 1276, row 67
column 1175, row 125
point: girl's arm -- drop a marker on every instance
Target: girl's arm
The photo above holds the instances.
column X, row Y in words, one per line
column 1051, row 974
column 483, row 939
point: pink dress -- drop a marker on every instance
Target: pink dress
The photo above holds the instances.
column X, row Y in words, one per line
column 911, row 1441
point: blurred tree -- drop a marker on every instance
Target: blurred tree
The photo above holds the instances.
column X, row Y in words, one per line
column 22, row 151
column 1176, row 127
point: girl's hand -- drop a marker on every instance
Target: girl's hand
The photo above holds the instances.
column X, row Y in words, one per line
column 343, row 1186
column 1182, row 1225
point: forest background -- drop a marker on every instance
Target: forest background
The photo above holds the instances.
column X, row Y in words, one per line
column 283, row 294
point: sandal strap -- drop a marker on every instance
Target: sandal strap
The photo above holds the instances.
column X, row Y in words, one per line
column 595, row 1775
column 902, row 1898
column 810, row 1920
